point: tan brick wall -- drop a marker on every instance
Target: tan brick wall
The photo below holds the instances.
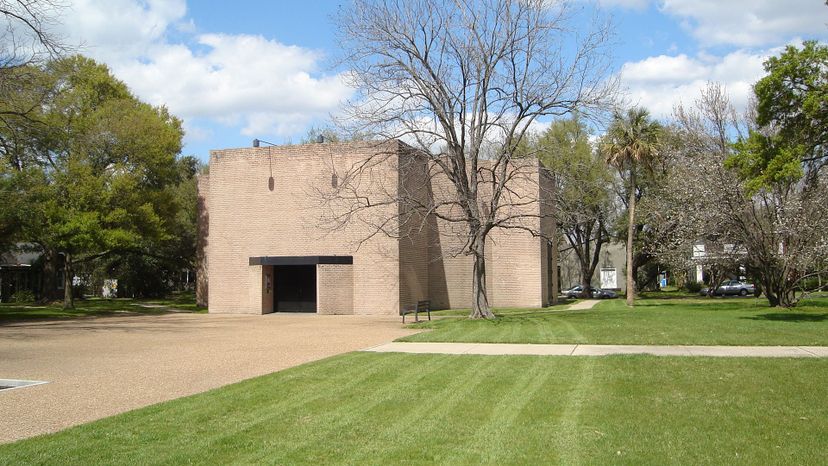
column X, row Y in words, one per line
column 334, row 289
column 411, row 259
column 515, row 270
column 450, row 270
column 260, row 294
column 247, row 218
column 414, row 229
column 549, row 258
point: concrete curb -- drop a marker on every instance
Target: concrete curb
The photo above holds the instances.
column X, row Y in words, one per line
column 602, row 350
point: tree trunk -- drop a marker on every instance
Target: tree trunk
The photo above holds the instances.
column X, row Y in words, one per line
column 586, row 281
column 630, row 230
column 554, row 272
column 68, row 297
column 480, row 303
column 49, row 282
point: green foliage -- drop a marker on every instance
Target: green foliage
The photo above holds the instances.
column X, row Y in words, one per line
column 632, row 139
column 23, row 296
column 583, row 189
column 566, row 151
column 764, row 161
column 794, row 95
column 791, row 109
column 94, row 176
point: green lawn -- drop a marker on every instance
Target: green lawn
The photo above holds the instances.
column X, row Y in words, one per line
column 98, row 307
column 364, row 408
column 678, row 321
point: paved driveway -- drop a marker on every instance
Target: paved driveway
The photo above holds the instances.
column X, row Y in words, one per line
column 98, row 367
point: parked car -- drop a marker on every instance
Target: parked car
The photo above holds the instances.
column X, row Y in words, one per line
column 730, row 288
column 575, row 292
column 597, row 293
column 601, row 293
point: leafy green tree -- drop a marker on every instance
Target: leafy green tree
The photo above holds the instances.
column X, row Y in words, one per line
column 97, row 167
column 151, row 270
column 582, row 195
column 792, row 115
column 631, row 143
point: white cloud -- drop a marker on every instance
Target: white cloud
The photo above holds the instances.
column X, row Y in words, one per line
column 659, row 83
column 749, row 23
column 741, row 23
column 259, row 84
column 265, row 86
column 117, row 30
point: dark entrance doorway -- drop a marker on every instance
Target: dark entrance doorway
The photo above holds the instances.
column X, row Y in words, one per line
column 295, row 288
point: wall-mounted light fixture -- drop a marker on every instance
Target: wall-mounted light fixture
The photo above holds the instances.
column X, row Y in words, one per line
column 258, row 142
column 271, row 184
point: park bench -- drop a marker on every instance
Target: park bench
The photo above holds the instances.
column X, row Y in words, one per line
column 421, row 306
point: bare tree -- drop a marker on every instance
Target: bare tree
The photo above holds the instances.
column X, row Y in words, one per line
column 463, row 81
column 27, row 31
column 27, row 37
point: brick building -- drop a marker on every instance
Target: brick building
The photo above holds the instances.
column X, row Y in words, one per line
column 273, row 238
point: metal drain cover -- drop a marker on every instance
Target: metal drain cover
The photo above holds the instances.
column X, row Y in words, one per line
column 11, row 384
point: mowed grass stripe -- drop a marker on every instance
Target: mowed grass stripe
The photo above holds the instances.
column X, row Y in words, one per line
column 279, row 405
column 315, row 430
column 200, row 428
column 568, row 441
column 478, row 410
column 494, row 440
column 423, row 410
column 687, row 321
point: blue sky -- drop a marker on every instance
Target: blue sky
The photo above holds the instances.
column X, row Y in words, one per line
column 234, row 71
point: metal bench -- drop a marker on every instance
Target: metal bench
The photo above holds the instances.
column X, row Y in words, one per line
column 421, row 306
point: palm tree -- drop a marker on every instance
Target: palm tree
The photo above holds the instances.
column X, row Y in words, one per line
column 631, row 142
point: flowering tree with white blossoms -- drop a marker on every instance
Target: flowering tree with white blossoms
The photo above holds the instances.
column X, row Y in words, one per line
column 777, row 232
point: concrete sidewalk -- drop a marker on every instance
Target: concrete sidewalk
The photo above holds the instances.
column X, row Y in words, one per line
column 602, row 350
column 582, row 305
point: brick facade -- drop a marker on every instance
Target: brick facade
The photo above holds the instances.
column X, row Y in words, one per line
column 275, row 201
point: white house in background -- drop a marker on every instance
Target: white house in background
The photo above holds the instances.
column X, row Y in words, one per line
column 707, row 252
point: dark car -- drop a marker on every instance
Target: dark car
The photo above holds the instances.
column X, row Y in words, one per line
column 575, row 292
column 598, row 293
column 730, row 288
column 601, row 293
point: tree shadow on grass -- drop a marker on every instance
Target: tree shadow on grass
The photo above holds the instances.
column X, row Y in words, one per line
column 789, row 317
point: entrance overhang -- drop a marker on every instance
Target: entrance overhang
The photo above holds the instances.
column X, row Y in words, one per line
column 301, row 260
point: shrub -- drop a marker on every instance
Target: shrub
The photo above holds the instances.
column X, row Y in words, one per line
column 23, row 296
column 693, row 286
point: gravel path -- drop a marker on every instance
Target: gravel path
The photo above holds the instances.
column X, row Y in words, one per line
column 97, row 367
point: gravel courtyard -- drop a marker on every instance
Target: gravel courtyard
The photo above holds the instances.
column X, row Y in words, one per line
column 97, row 367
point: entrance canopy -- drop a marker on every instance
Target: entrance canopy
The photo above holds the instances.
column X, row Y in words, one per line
column 301, row 260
